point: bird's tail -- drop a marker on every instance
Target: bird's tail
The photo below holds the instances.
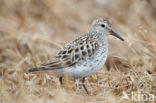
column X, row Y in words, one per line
column 39, row 69
column 34, row 70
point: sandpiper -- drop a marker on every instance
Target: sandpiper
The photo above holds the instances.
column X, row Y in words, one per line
column 83, row 56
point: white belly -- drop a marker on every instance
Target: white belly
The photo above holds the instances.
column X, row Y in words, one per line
column 85, row 67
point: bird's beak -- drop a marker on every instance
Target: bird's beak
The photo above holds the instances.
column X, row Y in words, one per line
column 116, row 35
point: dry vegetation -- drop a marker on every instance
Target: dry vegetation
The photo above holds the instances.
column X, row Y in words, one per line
column 32, row 31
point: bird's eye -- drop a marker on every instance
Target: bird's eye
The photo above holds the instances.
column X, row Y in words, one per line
column 103, row 25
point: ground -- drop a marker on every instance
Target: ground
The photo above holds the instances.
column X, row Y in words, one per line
column 32, row 31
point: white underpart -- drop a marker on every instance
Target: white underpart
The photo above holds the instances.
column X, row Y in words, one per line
column 84, row 69
column 87, row 66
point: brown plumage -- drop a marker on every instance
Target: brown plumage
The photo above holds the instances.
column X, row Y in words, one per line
column 70, row 54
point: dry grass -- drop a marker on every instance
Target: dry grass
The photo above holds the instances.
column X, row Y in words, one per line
column 32, row 31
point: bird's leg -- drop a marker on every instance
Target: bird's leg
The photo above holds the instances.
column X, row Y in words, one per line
column 60, row 79
column 83, row 84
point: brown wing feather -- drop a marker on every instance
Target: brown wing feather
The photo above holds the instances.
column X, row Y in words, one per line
column 71, row 54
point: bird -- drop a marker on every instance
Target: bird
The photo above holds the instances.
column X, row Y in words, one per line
column 83, row 56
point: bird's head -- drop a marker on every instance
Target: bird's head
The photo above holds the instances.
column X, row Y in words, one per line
column 103, row 26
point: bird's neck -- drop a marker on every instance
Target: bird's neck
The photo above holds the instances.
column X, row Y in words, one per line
column 101, row 38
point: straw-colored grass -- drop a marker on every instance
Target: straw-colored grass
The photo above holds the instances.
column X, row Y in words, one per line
column 32, row 31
